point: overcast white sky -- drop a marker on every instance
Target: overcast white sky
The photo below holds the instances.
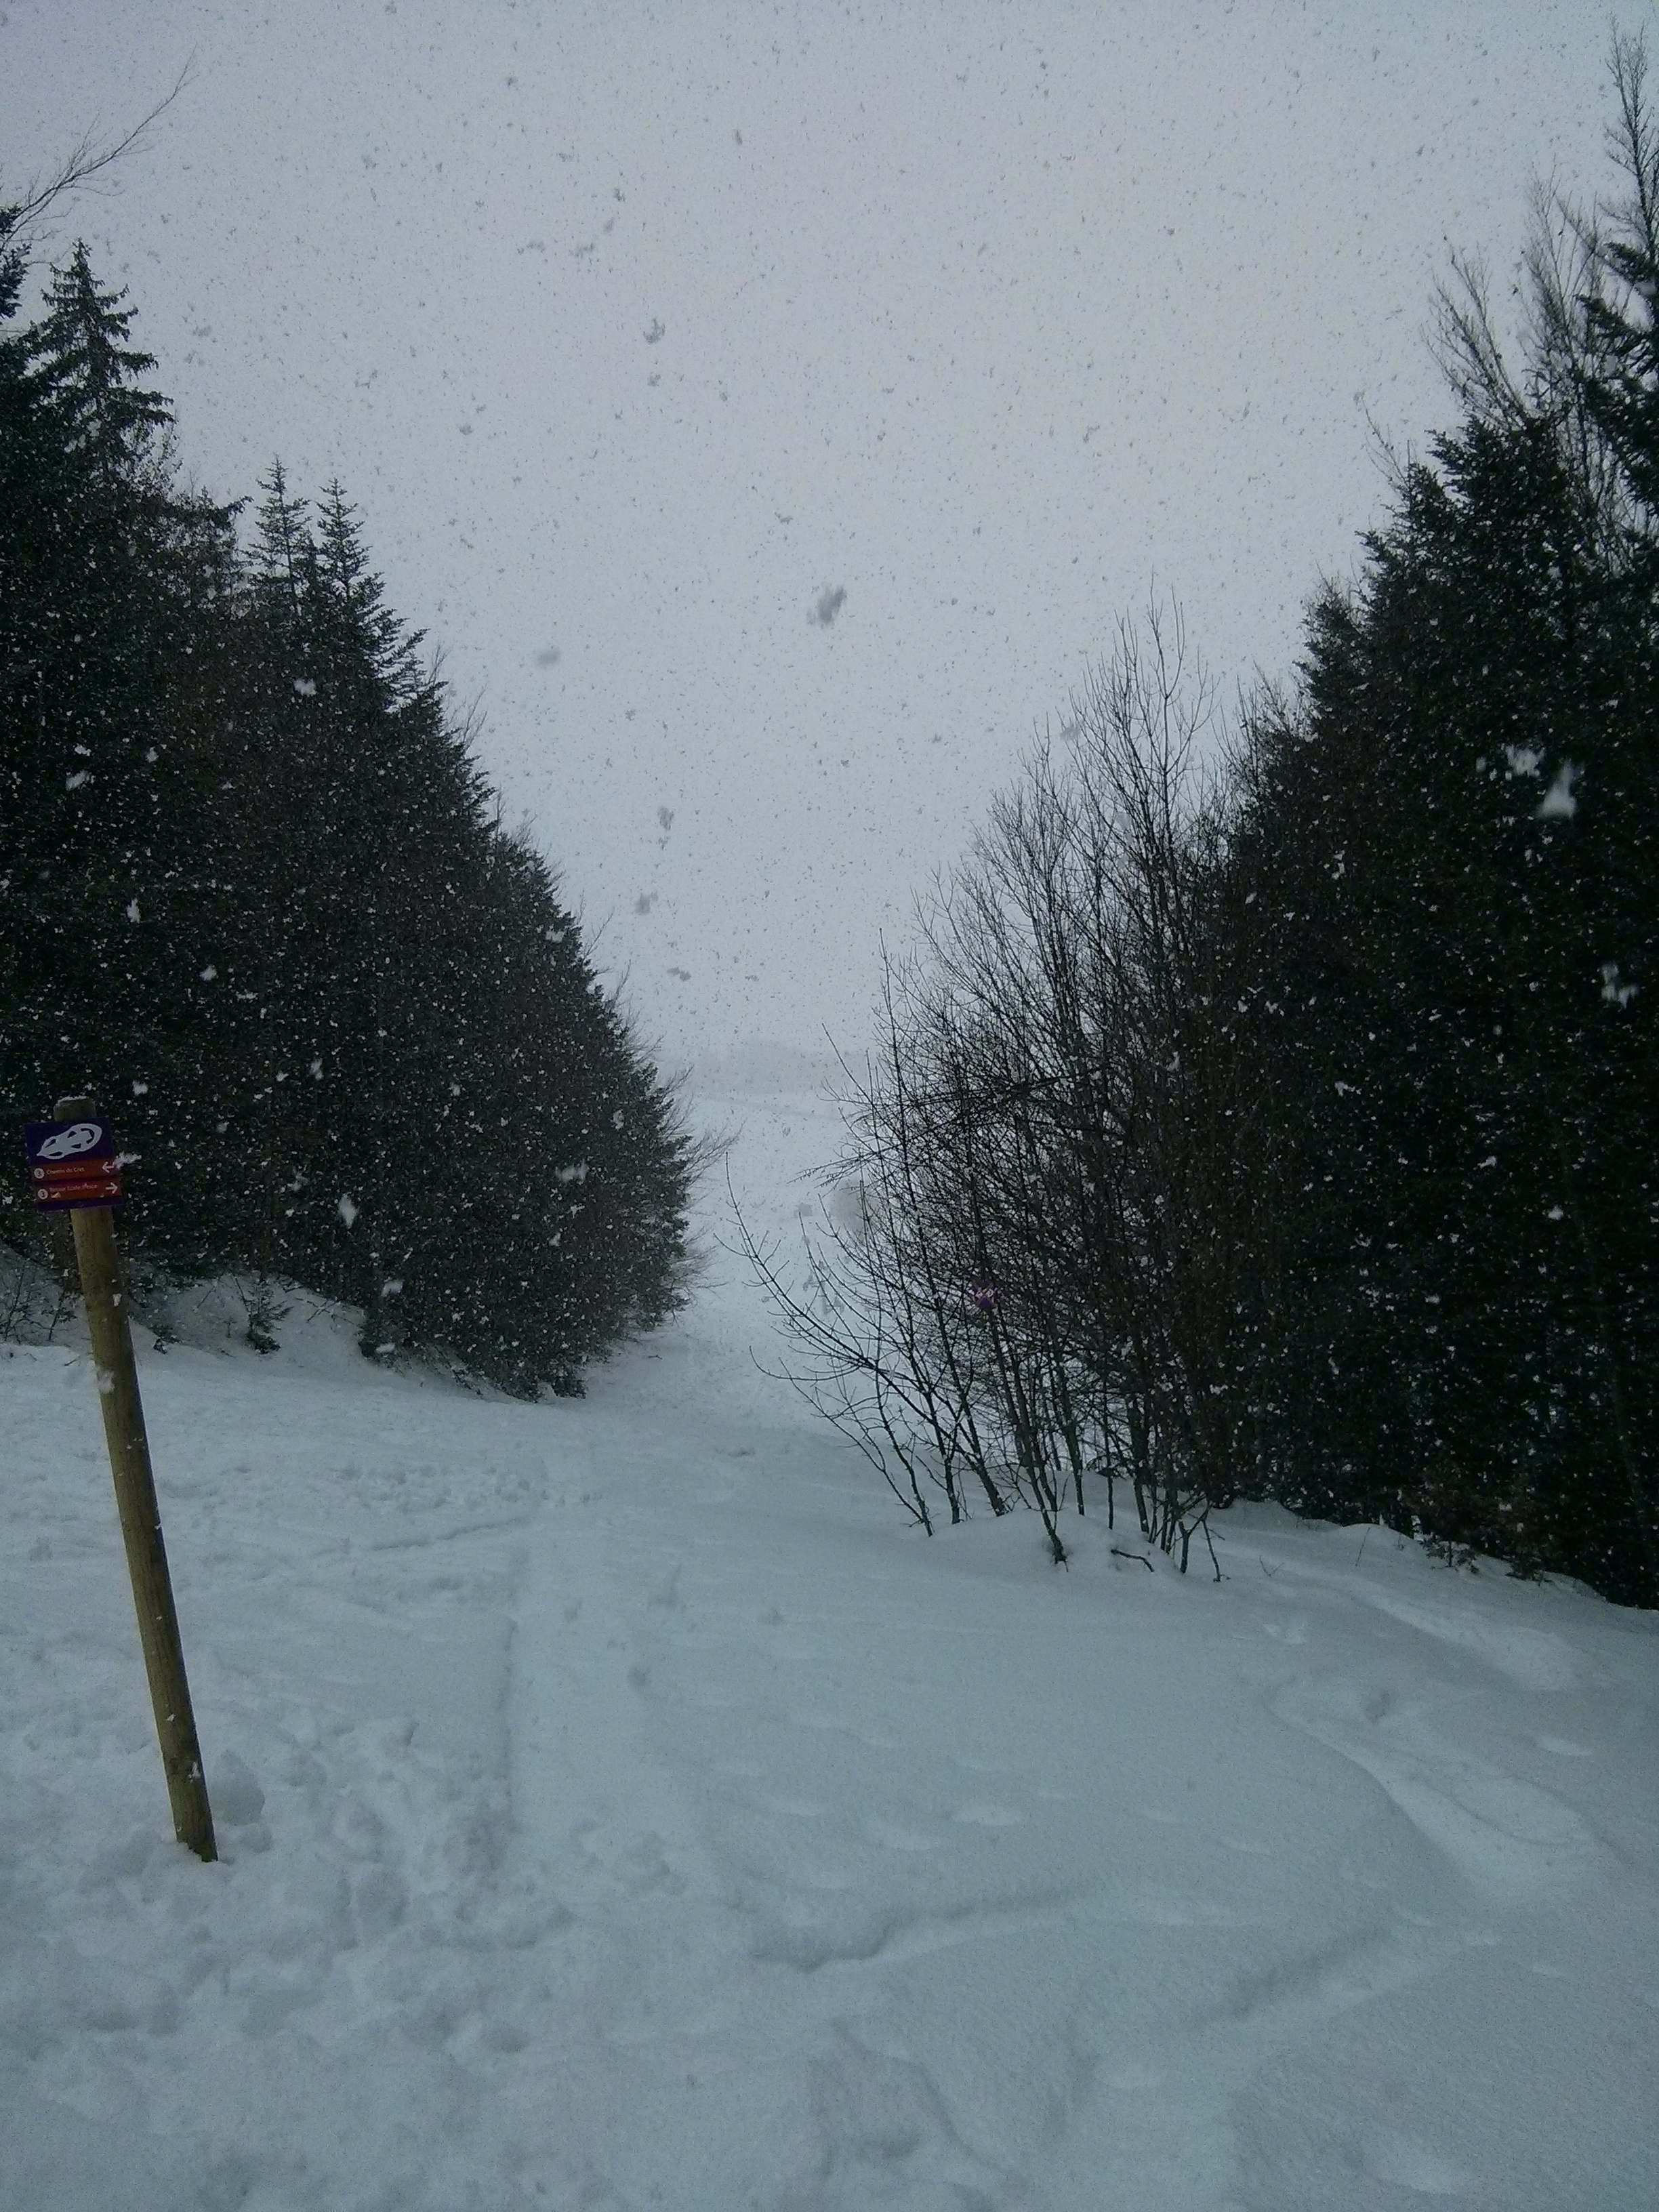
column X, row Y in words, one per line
column 633, row 330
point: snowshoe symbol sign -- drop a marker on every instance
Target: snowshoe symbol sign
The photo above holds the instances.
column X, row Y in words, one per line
column 72, row 1163
column 74, row 1137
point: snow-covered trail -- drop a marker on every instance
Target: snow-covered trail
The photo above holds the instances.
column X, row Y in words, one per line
column 621, row 1807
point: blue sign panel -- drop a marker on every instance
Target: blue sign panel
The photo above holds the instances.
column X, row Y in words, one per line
column 72, row 1163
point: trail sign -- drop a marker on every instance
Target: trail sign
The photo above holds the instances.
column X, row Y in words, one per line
column 73, row 1163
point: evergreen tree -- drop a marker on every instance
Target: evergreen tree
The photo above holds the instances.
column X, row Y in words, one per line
column 426, row 1044
column 109, row 582
column 1620, row 354
column 255, row 900
column 1450, row 838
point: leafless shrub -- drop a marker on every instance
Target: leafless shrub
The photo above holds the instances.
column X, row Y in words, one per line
column 1037, row 1293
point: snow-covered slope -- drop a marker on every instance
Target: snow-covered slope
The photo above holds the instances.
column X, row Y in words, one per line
column 621, row 1807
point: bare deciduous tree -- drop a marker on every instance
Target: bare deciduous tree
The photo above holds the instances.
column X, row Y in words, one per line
column 1035, row 1298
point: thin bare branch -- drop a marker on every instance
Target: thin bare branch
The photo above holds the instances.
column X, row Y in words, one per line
column 88, row 161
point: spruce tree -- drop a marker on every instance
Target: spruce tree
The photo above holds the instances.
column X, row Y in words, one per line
column 1450, row 838
column 110, row 582
column 255, row 900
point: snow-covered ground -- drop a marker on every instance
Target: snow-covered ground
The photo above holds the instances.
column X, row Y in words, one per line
column 621, row 1807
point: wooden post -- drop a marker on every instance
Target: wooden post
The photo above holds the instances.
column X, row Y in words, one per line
column 140, row 1516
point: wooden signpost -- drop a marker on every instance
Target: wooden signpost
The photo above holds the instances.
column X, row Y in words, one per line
column 73, row 1165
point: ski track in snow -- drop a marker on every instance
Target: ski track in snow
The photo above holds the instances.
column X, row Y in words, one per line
column 620, row 1808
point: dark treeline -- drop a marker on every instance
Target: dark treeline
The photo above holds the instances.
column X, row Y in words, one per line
column 254, row 898
column 1287, row 1127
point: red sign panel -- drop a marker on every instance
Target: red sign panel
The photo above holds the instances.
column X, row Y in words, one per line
column 73, row 1163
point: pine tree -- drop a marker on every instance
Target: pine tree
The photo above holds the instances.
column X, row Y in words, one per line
column 85, row 374
column 1451, row 853
column 108, row 584
column 1620, row 352
column 431, row 1048
column 254, row 898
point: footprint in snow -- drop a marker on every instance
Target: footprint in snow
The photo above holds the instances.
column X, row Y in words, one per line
column 635, row 1864
column 1497, row 1829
